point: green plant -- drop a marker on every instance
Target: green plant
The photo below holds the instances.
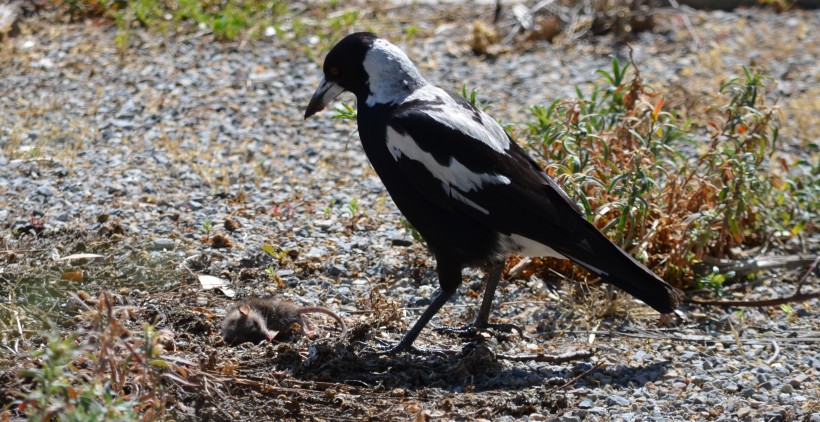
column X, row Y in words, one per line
column 618, row 152
column 472, row 98
column 280, row 255
column 413, row 231
column 345, row 112
column 123, row 36
column 715, row 280
column 59, row 390
column 353, row 207
column 115, row 376
column 228, row 19
column 207, row 227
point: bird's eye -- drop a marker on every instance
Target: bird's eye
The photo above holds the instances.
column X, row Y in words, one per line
column 334, row 71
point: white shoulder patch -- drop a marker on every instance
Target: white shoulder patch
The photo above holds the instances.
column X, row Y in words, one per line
column 453, row 115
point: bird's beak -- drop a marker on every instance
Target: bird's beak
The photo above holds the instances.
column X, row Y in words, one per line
column 324, row 94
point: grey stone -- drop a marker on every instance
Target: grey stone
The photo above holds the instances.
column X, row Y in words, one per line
column 336, row 270
column 617, row 400
column 586, row 404
column 45, row 190
column 161, row 243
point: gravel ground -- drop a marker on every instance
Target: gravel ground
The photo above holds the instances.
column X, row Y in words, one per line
column 143, row 158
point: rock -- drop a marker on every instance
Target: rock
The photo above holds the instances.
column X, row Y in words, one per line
column 336, row 270
column 162, row 244
column 774, row 416
column 617, row 400
column 743, row 412
column 401, row 240
column 586, row 404
column 795, row 382
column 316, row 252
column 45, row 190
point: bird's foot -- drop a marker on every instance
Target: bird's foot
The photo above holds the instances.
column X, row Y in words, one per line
column 472, row 330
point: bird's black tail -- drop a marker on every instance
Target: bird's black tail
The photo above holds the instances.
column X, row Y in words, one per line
column 614, row 265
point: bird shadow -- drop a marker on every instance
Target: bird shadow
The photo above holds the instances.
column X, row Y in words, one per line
column 476, row 367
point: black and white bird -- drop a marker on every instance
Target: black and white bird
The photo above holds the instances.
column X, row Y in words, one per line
column 473, row 194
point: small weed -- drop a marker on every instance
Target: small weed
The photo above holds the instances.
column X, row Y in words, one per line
column 413, row 231
column 270, row 272
column 715, row 280
column 353, row 207
column 207, row 227
column 123, row 36
column 345, row 112
column 280, row 255
column 472, row 98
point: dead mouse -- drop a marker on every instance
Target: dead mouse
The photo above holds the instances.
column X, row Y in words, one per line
column 266, row 318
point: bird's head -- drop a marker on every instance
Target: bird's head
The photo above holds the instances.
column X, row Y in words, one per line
column 374, row 70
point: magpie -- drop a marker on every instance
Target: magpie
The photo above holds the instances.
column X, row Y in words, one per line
column 457, row 176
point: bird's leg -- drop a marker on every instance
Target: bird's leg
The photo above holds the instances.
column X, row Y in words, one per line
column 449, row 278
column 481, row 319
column 406, row 342
column 491, row 281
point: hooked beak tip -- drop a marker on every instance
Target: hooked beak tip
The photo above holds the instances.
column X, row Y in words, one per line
column 325, row 93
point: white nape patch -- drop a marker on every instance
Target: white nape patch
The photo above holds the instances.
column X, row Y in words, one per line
column 454, row 174
column 455, row 116
column 391, row 74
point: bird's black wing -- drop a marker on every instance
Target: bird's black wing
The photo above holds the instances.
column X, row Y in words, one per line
column 462, row 160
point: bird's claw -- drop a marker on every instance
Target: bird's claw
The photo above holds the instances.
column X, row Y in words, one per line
column 471, row 330
column 386, row 348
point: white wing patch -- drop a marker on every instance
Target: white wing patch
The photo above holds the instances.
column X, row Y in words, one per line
column 525, row 246
column 453, row 115
column 454, row 175
column 455, row 194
